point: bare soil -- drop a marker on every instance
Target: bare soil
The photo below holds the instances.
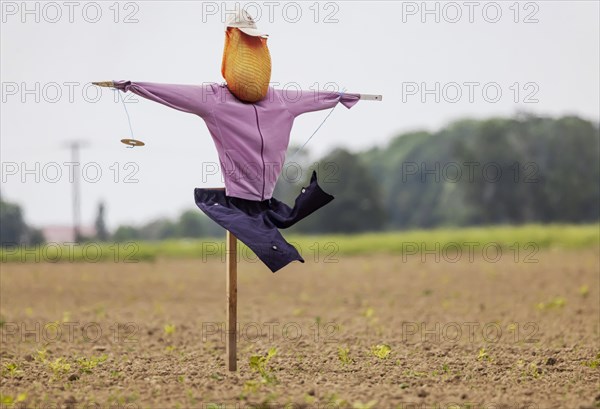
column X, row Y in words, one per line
column 480, row 334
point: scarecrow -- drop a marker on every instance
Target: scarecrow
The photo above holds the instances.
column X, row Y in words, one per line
column 250, row 123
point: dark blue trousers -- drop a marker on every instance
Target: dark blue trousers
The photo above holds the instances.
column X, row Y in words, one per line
column 256, row 223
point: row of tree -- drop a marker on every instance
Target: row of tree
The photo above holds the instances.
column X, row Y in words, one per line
column 519, row 170
column 13, row 229
column 190, row 224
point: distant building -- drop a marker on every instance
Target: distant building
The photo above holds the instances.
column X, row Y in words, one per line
column 65, row 234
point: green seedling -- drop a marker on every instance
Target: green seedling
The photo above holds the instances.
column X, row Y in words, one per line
column 530, row 370
column 190, row 396
column 12, row 369
column 584, row 290
column 259, row 363
column 483, row 355
column 100, row 311
column 555, row 303
column 414, row 374
column 344, row 356
column 169, row 329
column 381, row 351
column 42, row 355
column 7, row 400
column 594, row 363
column 533, row 370
column 369, row 314
column 58, row 367
column 52, row 328
column 369, row 405
column 309, row 400
column 251, row 387
column 87, row 365
column 335, row 401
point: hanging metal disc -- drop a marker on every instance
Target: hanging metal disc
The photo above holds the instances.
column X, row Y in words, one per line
column 132, row 142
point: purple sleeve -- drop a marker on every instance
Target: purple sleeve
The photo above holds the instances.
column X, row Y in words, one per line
column 194, row 99
column 300, row 102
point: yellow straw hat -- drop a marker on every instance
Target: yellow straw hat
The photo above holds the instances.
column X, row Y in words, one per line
column 246, row 62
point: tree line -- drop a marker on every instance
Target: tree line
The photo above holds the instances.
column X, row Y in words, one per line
column 526, row 169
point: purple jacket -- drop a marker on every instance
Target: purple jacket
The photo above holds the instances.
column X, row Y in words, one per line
column 251, row 139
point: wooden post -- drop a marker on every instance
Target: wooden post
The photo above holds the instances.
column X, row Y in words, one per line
column 231, row 270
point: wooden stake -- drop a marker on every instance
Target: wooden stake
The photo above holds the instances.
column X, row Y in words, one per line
column 231, row 270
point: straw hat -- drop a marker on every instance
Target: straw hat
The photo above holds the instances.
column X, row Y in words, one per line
column 246, row 64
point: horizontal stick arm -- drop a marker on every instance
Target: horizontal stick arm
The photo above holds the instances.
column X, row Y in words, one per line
column 109, row 84
column 370, row 97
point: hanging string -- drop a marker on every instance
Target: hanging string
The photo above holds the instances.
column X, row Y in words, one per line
column 126, row 112
column 319, row 127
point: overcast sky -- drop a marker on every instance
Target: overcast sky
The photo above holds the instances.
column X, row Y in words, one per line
column 542, row 57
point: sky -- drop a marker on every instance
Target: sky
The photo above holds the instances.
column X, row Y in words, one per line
column 433, row 62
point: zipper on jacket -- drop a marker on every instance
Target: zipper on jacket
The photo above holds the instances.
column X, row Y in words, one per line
column 262, row 148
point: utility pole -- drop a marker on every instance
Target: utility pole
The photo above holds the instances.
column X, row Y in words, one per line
column 74, row 146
